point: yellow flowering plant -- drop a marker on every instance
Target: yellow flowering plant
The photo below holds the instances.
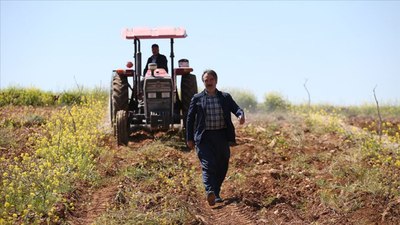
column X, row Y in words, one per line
column 32, row 183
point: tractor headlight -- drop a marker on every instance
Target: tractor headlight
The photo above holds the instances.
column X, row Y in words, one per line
column 151, row 95
column 165, row 94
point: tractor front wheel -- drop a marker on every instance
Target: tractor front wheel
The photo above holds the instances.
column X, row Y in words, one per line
column 122, row 128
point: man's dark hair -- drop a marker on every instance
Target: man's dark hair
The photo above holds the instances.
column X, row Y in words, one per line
column 210, row 72
column 154, row 45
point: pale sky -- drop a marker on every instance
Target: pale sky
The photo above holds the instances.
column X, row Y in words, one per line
column 343, row 48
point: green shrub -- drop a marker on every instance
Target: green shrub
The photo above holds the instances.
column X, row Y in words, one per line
column 69, row 98
column 25, row 96
column 19, row 96
column 275, row 102
column 244, row 98
column 386, row 110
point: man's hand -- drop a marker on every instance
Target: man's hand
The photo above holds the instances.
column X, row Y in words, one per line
column 241, row 120
column 190, row 144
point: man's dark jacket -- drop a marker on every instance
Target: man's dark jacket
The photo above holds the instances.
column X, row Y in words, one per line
column 161, row 61
column 196, row 118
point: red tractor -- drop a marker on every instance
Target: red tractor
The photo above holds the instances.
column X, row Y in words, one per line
column 151, row 100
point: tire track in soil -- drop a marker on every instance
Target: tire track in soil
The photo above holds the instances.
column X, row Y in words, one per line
column 93, row 202
column 99, row 201
column 102, row 198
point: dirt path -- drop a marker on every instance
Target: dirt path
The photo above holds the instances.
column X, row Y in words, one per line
column 231, row 211
column 228, row 212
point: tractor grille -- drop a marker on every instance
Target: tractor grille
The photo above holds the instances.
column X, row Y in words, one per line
column 159, row 105
column 158, row 95
column 158, row 85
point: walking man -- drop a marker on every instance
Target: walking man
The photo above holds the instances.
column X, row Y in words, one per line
column 209, row 128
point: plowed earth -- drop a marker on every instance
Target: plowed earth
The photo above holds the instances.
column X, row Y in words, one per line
column 274, row 190
column 281, row 181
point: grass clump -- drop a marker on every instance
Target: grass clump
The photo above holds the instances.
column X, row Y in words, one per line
column 6, row 138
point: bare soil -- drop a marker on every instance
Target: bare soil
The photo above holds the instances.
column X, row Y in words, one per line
column 17, row 124
column 273, row 191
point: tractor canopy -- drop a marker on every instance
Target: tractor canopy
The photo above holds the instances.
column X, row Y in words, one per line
column 154, row 33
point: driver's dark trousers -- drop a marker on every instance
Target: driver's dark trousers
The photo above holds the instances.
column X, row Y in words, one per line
column 213, row 152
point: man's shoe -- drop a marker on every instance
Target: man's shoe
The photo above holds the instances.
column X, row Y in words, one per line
column 211, row 198
column 219, row 200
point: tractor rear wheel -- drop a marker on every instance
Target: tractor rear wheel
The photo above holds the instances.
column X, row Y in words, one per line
column 188, row 89
column 122, row 128
column 119, row 99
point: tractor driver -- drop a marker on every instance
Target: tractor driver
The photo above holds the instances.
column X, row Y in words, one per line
column 157, row 58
